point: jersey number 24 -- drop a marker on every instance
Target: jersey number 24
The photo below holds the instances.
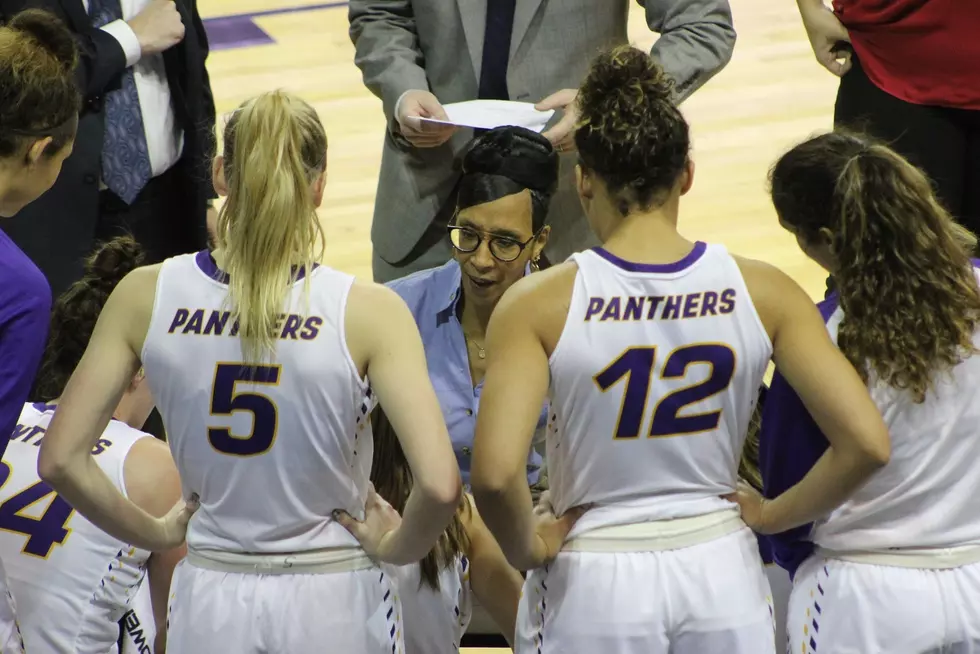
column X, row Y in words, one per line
column 636, row 365
column 43, row 532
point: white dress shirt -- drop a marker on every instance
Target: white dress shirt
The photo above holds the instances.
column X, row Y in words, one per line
column 164, row 138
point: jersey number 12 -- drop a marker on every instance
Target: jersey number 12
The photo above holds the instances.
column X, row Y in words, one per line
column 636, row 365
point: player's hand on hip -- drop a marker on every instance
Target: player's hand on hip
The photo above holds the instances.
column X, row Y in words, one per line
column 158, row 27
column 562, row 133
column 412, row 107
column 551, row 531
column 826, row 34
column 173, row 526
column 752, row 506
column 380, row 521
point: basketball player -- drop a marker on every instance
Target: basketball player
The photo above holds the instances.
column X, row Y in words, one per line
column 896, row 568
column 72, row 582
column 259, row 360
column 38, row 121
column 436, row 593
column 654, row 348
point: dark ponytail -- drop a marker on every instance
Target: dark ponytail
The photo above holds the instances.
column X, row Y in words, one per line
column 77, row 310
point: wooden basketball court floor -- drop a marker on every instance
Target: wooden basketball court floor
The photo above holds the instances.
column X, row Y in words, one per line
column 770, row 96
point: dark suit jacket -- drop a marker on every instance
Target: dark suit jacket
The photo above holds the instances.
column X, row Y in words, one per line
column 57, row 231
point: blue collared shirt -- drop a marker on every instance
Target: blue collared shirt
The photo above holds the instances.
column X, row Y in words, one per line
column 433, row 296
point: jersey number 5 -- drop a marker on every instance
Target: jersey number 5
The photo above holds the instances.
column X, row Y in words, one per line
column 43, row 532
column 225, row 401
column 636, row 365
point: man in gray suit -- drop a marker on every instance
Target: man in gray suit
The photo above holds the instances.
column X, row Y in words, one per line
column 419, row 54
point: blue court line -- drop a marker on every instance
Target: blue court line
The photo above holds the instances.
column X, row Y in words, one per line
column 236, row 31
column 284, row 10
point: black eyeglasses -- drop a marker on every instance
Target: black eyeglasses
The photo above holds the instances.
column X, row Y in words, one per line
column 503, row 248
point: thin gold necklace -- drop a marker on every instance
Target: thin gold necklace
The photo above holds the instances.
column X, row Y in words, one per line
column 480, row 352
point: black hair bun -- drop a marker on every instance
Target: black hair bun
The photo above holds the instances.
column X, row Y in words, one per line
column 112, row 261
column 48, row 31
column 517, row 153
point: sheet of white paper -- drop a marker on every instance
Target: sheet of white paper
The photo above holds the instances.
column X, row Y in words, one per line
column 488, row 114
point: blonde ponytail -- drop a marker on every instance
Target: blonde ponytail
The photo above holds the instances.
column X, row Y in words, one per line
column 274, row 150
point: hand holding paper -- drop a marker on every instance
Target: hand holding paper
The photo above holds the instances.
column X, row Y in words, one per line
column 488, row 114
column 562, row 133
column 413, row 113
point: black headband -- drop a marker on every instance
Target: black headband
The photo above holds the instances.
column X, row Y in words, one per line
column 518, row 154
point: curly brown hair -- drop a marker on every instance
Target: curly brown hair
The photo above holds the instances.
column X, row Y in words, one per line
column 392, row 479
column 38, row 95
column 77, row 310
column 907, row 287
column 630, row 132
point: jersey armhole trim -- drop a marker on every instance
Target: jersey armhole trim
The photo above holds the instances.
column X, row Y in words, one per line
column 553, row 359
column 154, row 311
column 757, row 319
column 362, row 382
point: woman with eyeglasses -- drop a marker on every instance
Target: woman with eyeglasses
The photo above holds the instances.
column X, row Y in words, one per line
column 498, row 234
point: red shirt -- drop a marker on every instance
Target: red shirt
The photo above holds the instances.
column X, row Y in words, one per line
column 921, row 51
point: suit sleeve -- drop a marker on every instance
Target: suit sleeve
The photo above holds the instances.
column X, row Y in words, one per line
column 386, row 49
column 101, row 57
column 697, row 38
column 210, row 115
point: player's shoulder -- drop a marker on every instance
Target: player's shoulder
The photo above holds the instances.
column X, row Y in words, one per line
column 375, row 315
column 759, row 272
column 372, row 297
column 551, row 284
column 771, row 288
column 139, row 283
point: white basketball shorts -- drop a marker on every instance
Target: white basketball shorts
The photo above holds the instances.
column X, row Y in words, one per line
column 781, row 586
column 842, row 607
column 709, row 597
column 248, row 613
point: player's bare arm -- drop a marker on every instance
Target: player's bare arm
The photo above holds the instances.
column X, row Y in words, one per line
column 391, row 353
column 832, row 392
column 104, row 373
column 495, row 583
column 529, row 316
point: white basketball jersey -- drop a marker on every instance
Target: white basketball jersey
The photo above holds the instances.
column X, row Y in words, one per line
column 927, row 495
column 71, row 581
column 653, row 382
column 435, row 620
column 271, row 449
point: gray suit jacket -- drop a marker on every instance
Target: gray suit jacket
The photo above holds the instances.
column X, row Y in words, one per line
column 437, row 45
